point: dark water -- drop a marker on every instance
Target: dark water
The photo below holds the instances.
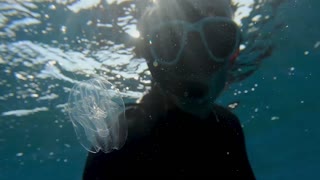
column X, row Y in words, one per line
column 46, row 48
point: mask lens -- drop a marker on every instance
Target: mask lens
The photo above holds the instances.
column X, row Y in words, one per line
column 166, row 42
column 221, row 38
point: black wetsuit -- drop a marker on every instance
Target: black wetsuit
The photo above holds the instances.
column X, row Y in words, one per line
column 170, row 142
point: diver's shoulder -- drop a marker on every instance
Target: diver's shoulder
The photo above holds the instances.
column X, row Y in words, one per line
column 224, row 111
column 227, row 116
column 140, row 122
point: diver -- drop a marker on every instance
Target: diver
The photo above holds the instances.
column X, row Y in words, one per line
column 176, row 129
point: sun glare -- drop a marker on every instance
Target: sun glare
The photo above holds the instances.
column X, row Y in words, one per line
column 243, row 11
column 135, row 33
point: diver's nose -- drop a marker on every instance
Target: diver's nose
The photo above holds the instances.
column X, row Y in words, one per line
column 195, row 56
column 194, row 46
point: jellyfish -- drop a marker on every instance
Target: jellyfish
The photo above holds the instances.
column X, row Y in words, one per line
column 97, row 112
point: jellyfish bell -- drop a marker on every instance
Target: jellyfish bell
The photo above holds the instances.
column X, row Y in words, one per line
column 97, row 112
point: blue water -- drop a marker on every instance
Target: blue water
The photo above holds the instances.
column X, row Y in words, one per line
column 46, row 48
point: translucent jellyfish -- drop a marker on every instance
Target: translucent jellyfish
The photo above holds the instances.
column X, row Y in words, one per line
column 97, row 112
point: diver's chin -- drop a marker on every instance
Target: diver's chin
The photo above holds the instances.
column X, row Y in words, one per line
column 190, row 96
column 196, row 96
column 199, row 107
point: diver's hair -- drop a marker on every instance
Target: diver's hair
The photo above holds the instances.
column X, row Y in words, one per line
column 189, row 10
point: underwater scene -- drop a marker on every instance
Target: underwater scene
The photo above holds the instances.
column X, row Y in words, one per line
column 48, row 47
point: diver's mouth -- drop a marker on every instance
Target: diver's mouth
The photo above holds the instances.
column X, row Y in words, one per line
column 191, row 90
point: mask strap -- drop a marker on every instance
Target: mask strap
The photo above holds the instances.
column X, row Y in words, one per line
column 234, row 57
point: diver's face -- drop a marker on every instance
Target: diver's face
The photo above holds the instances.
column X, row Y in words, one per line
column 190, row 60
